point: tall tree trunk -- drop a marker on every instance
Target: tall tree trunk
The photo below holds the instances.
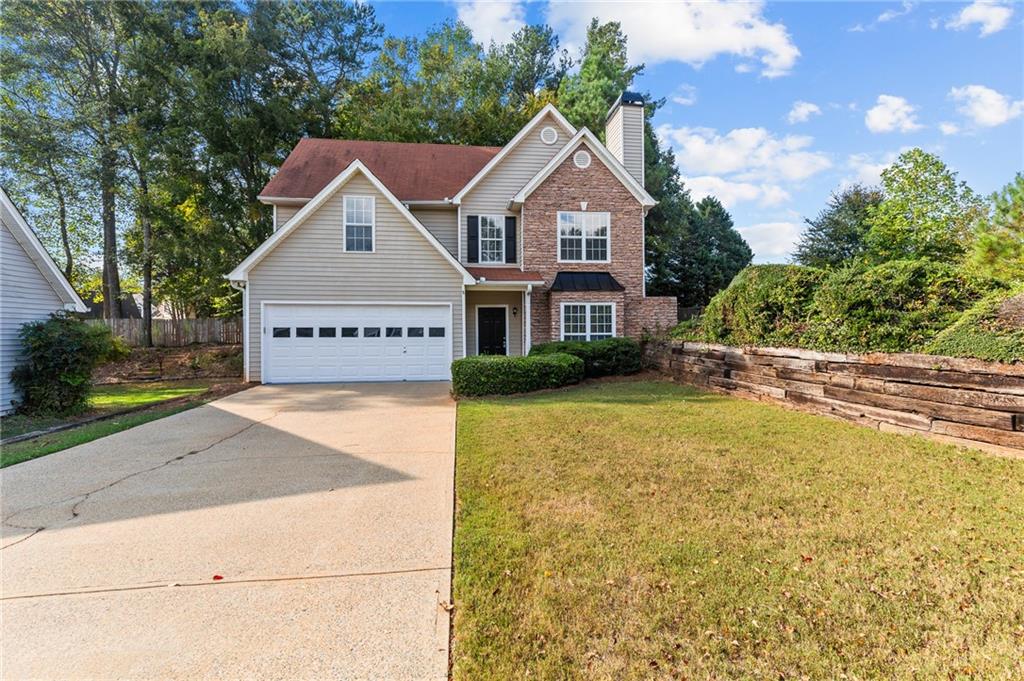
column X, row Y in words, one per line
column 69, row 264
column 147, row 261
column 111, row 277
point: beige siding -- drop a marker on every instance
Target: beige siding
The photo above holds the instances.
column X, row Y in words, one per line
column 514, row 299
column 624, row 137
column 491, row 195
column 26, row 296
column 442, row 223
column 310, row 265
column 284, row 214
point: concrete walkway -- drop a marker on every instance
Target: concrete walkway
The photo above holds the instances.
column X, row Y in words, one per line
column 326, row 509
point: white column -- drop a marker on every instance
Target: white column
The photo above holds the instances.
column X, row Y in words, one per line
column 527, row 340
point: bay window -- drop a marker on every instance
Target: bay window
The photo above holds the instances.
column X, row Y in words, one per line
column 588, row 321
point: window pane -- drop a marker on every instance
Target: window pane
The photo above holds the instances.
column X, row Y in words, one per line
column 574, row 322
column 358, row 210
column 304, row 332
column 328, row 332
column 571, row 248
column 492, row 238
column 415, row 332
column 601, row 322
column 282, row 332
column 437, row 332
column 394, row 332
column 371, row 332
column 597, row 249
column 569, row 224
column 350, row 332
column 358, row 238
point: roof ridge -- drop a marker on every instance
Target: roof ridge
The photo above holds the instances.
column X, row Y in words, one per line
column 348, row 140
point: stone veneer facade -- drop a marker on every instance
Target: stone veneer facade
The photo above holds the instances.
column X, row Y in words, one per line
column 564, row 190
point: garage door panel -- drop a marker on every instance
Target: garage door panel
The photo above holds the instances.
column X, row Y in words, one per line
column 348, row 342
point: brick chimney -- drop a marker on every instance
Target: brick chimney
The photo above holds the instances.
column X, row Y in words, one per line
column 624, row 132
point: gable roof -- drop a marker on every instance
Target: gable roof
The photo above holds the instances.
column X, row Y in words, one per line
column 24, row 235
column 513, row 143
column 241, row 273
column 413, row 172
column 612, row 163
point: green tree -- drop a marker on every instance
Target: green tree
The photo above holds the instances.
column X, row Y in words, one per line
column 837, row 234
column 713, row 254
column 926, row 212
column 998, row 249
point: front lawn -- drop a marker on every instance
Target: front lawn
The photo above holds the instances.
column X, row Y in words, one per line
column 645, row 529
column 105, row 399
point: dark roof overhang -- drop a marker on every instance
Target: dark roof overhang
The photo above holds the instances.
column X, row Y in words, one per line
column 585, row 281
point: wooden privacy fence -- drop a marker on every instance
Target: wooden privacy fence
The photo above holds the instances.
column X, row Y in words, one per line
column 961, row 400
column 177, row 332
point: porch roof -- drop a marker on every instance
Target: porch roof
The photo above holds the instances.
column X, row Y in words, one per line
column 586, row 281
column 505, row 275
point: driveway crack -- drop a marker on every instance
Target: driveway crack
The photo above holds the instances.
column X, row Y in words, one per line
column 85, row 496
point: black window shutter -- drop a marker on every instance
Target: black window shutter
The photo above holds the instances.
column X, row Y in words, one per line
column 510, row 239
column 473, row 238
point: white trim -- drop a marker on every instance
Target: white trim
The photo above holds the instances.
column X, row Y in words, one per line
column 344, row 222
column 382, row 303
column 500, row 221
column 476, row 317
column 283, row 200
column 274, row 212
column 587, row 304
column 544, row 130
column 527, row 319
column 246, row 347
column 500, row 285
column 558, row 237
column 40, row 257
column 463, row 321
column 582, row 159
column 241, row 273
column 458, row 230
column 500, row 156
column 609, row 160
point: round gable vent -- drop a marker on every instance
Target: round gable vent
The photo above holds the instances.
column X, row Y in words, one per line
column 548, row 135
column 581, row 159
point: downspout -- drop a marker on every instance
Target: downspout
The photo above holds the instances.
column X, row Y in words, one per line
column 528, row 319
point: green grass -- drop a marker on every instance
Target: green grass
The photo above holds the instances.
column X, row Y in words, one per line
column 644, row 529
column 54, row 442
column 108, row 398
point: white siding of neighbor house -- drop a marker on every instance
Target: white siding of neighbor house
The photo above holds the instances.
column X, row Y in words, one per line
column 491, row 195
column 514, row 329
column 310, row 265
column 624, row 137
column 442, row 223
column 284, row 214
column 25, row 296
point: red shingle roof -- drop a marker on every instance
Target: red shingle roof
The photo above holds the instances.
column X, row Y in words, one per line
column 413, row 172
column 504, row 274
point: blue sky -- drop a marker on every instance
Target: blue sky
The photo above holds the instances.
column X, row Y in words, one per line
column 771, row 106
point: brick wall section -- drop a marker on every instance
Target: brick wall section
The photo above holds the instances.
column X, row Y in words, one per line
column 964, row 401
column 564, row 190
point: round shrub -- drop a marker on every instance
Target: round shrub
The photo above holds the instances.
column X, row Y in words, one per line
column 993, row 329
column 59, row 356
column 502, row 375
column 897, row 306
column 608, row 357
column 764, row 305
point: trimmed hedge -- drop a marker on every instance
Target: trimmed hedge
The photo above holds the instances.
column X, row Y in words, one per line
column 607, row 357
column 764, row 305
column 502, row 375
column 897, row 306
column 992, row 330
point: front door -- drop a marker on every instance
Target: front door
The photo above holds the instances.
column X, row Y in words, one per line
column 491, row 331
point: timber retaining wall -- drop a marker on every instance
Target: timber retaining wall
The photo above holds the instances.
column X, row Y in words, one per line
column 965, row 401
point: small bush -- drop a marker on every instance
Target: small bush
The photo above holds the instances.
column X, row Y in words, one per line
column 764, row 305
column 897, row 306
column 501, row 375
column 59, row 356
column 608, row 357
column 993, row 329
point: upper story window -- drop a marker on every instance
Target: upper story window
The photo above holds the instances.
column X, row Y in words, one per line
column 359, row 220
column 492, row 238
column 584, row 237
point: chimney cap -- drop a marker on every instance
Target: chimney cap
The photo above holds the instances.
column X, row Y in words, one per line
column 627, row 97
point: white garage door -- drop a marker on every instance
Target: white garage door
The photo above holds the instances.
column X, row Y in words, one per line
column 345, row 342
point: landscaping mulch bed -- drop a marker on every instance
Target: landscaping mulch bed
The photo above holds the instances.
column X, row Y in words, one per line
column 194, row 361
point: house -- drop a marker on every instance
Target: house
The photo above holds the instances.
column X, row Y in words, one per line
column 31, row 287
column 388, row 260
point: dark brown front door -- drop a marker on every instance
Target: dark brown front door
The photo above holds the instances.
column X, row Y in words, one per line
column 490, row 325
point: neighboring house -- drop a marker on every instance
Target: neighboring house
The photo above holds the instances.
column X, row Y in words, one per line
column 389, row 260
column 31, row 287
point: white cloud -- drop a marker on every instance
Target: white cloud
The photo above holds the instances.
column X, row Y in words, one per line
column 693, row 32
column 867, row 169
column 492, row 20
column 771, row 241
column 984, row 106
column 731, row 193
column 749, row 153
column 685, row 95
column 802, row 112
column 947, row 128
column 890, row 14
column 892, row 113
column 992, row 17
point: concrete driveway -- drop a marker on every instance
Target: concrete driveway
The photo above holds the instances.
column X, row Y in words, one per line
column 326, row 509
